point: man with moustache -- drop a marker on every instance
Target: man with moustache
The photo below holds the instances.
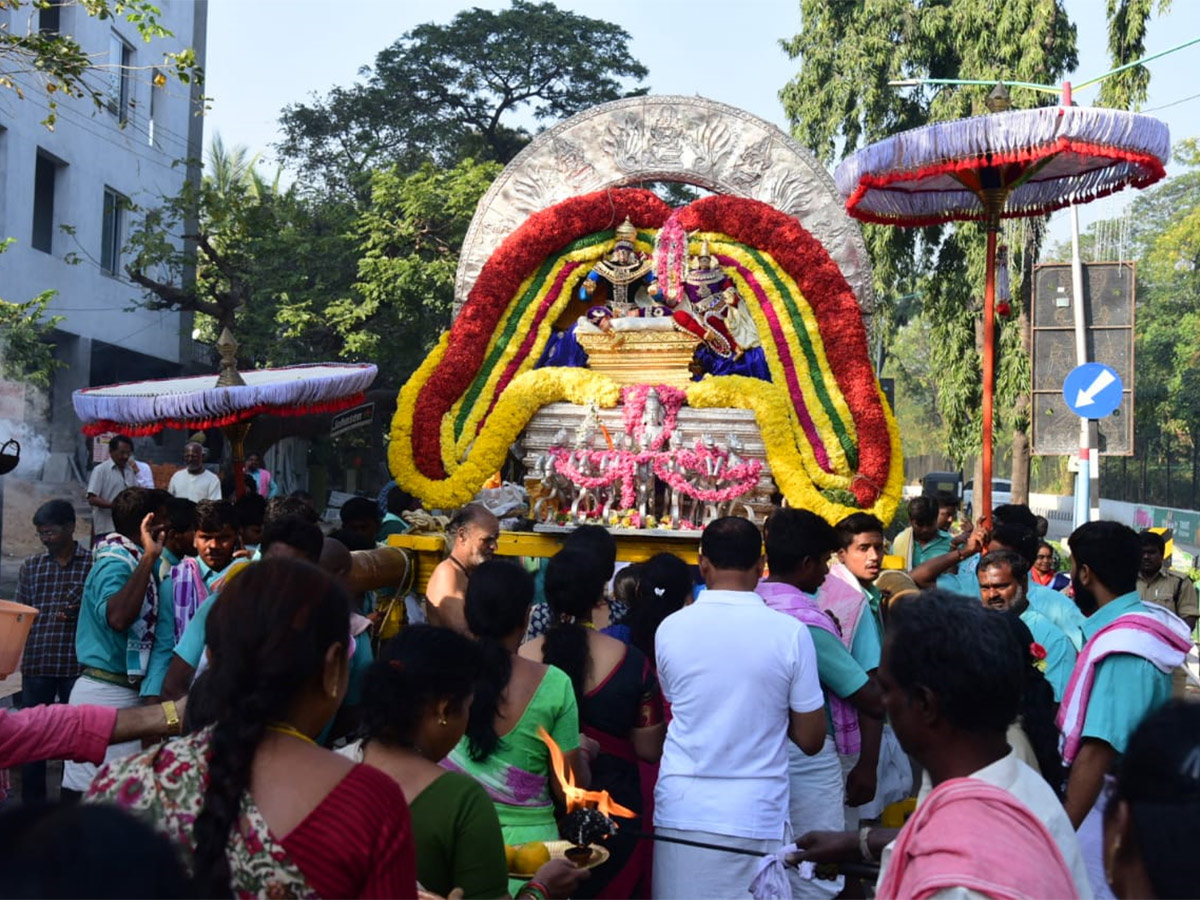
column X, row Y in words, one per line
column 474, row 532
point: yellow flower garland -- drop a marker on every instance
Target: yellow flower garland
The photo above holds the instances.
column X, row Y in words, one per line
column 770, row 406
column 525, row 395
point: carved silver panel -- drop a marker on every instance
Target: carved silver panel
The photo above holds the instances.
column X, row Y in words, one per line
column 665, row 138
column 691, row 424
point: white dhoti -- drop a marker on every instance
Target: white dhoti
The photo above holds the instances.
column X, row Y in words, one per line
column 694, row 873
column 1091, row 844
column 894, row 780
column 77, row 776
column 817, row 795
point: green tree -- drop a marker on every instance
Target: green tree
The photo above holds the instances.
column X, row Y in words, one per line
column 26, row 353
column 56, row 61
column 841, row 100
column 245, row 254
column 442, row 93
column 409, row 239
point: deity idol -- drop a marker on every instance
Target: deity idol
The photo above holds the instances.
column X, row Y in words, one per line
column 712, row 309
column 619, row 287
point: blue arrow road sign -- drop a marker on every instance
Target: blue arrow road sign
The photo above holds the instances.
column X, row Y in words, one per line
column 1093, row 390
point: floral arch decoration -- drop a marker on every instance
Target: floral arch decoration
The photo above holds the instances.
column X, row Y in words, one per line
column 824, row 421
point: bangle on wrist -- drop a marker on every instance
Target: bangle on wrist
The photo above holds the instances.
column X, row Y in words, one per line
column 864, row 846
column 174, row 725
column 534, row 889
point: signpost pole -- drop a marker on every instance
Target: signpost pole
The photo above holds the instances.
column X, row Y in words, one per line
column 1086, row 448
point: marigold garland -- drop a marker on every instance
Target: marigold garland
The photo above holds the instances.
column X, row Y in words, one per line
column 824, row 421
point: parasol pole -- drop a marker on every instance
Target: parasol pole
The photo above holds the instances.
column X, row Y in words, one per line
column 993, row 203
column 235, row 433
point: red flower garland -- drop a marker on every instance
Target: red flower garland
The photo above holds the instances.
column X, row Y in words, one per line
column 826, row 290
column 543, row 234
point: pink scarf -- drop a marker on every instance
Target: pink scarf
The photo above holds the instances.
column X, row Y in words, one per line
column 1154, row 633
column 968, row 833
column 791, row 600
column 842, row 597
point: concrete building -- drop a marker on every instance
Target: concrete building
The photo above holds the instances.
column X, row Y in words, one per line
column 62, row 194
column 62, row 200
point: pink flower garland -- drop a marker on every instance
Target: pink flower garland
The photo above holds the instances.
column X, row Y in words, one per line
column 633, row 396
column 742, row 477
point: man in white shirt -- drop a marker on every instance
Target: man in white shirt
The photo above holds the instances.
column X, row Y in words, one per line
column 195, row 482
column 107, row 480
column 741, row 679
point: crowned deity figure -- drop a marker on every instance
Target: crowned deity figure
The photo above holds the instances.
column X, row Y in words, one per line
column 617, row 286
column 713, row 311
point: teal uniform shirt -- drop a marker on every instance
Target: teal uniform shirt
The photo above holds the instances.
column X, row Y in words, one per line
column 939, row 546
column 1127, row 688
column 1059, row 609
column 98, row 646
column 866, row 644
column 964, row 582
column 1060, row 653
column 839, row 672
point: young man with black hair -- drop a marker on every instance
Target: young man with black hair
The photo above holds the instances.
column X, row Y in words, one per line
column 124, row 636
column 361, row 514
column 179, row 539
column 922, row 539
column 1122, row 675
column 52, row 582
column 741, row 680
column 799, row 544
column 987, row 822
column 851, row 597
column 250, row 510
column 196, row 578
column 287, row 536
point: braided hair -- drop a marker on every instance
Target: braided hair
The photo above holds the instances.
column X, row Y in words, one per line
column 497, row 604
column 268, row 636
column 574, row 585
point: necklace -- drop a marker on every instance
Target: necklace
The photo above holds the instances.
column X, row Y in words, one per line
column 461, row 567
column 291, row 730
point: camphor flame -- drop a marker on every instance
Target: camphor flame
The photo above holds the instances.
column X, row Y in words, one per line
column 578, row 798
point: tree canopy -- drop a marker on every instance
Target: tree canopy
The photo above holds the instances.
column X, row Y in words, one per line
column 840, row 100
column 443, row 93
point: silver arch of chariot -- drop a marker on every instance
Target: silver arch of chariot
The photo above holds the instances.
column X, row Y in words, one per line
column 690, row 140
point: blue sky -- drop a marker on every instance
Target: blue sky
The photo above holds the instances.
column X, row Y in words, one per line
column 265, row 54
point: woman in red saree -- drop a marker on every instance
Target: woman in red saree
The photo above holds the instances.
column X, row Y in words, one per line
column 259, row 809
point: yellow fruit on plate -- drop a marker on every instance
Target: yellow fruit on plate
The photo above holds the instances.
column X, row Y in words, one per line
column 530, row 857
column 510, row 857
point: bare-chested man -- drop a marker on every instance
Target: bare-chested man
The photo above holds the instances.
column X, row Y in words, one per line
column 474, row 532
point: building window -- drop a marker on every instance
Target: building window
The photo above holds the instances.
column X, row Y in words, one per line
column 45, row 177
column 50, row 17
column 110, row 232
column 120, row 61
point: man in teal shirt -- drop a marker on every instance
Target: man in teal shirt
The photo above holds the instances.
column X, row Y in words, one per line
column 124, row 635
column 1003, row 579
column 1126, row 687
column 923, row 539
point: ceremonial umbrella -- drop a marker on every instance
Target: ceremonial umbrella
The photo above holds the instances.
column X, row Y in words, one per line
column 229, row 402
column 1009, row 163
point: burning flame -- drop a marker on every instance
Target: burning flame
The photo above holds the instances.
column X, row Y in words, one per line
column 578, row 798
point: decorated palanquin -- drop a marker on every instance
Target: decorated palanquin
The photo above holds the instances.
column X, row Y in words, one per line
column 656, row 367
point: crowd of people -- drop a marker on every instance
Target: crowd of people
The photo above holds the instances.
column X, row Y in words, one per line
column 759, row 722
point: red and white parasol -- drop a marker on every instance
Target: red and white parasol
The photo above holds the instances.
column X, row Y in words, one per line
column 1011, row 163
